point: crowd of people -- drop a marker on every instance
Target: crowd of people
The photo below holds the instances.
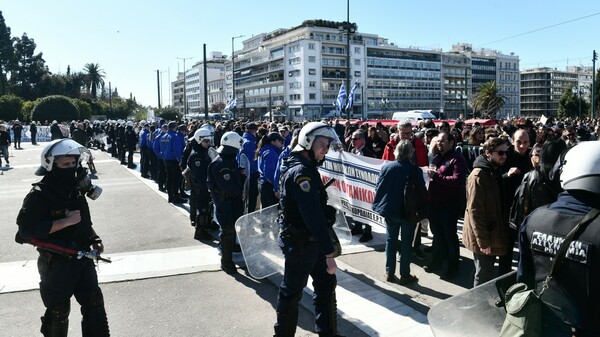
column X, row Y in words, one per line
column 235, row 167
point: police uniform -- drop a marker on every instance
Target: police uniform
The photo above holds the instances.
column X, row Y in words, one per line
column 171, row 149
column 63, row 275
column 131, row 140
column 198, row 163
column 305, row 241
column 542, row 232
column 225, row 183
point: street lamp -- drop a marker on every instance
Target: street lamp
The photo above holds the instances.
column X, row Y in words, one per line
column 233, row 67
column 184, row 87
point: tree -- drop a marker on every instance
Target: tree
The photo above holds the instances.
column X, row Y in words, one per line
column 85, row 109
column 217, row 107
column 488, row 100
column 10, row 107
column 29, row 69
column 60, row 108
column 7, row 55
column 567, row 104
column 169, row 113
column 94, row 78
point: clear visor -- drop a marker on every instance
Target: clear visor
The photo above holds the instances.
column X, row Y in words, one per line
column 327, row 132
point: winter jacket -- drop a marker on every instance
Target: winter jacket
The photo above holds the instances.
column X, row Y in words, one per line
column 448, row 184
column 389, row 191
column 486, row 221
column 420, row 156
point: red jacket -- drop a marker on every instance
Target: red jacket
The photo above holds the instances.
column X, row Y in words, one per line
column 421, row 157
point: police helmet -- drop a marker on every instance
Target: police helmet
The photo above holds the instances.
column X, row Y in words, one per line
column 581, row 168
column 57, row 149
column 313, row 130
column 208, row 127
column 231, row 142
column 202, row 134
column 129, row 123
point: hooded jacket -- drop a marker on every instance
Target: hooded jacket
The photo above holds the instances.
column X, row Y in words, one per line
column 486, row 220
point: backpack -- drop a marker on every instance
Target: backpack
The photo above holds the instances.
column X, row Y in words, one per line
column 415, row 198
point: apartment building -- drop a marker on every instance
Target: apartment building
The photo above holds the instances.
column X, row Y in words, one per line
column 541, row 89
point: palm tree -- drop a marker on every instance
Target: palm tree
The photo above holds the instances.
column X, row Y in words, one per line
column 94, row 78
column 488, row 100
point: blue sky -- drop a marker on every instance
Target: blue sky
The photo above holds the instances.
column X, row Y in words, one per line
column 130, row 40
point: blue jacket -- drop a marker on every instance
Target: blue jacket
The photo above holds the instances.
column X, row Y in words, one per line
column 144, row 139
column 389, row 191
column 283, row 155
column 249, row 149
column 170, row 146
column 156, row 142
column 267, row 162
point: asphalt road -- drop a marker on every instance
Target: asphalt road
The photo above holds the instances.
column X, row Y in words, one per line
column 132, row 218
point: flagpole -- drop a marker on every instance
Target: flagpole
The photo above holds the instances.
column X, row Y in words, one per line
column 348, row 49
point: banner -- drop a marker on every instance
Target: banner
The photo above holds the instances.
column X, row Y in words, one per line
column 43, row 134
column 356, row 177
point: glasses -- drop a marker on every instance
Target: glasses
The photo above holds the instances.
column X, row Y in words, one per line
column 501, row 153
column 441, row 140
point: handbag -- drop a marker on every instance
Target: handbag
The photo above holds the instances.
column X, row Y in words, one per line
column 523, row 306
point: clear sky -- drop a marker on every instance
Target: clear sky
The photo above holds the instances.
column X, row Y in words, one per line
column 130, row 40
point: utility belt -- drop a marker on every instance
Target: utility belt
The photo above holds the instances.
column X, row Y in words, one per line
column 298, row 237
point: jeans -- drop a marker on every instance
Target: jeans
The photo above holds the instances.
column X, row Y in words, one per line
column 393, row 226
column 484, row 268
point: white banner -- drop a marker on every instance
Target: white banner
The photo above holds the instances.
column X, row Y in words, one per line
column 356, row 178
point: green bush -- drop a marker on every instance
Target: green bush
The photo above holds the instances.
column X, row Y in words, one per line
column 10, row 107
column 85, row 109
column 57, row 107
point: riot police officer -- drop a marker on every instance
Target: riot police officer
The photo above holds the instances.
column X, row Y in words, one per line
column 573, row 297
column 304, row 236
column 56, row 218
column 131, row 140
column 198, row 163
column 225, row 183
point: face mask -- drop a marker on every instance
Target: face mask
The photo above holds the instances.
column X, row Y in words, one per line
column 64, row 175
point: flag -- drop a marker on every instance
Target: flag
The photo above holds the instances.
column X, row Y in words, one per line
column 231, row 104
column 351, row 97
column 341, row 97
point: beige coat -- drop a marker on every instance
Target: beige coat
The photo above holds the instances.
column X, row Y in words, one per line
column 485, row 225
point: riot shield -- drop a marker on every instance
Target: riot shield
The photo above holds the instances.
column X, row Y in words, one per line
column 257, row 233
column 476, row 312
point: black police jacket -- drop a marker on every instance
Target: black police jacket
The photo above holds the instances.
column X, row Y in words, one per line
column 224, row 179
column 579, row 276
column 198, row 163
column 48, row 201
column 303, row 201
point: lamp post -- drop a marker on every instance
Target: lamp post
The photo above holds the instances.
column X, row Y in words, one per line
column 594, row 58
column 184, row 86
column 233, row 67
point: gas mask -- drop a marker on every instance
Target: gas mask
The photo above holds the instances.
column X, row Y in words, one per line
column 84, row 184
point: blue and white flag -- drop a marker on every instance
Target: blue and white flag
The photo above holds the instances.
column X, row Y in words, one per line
column 341, row 97
column 351, row 97
column 231, row 104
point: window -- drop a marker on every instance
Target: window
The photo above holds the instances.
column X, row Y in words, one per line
column 311, row 46
column 312, row 84
column 295, row 85
column 312, row 59
column 294, row 48
column 312, row 71
column 357, row 74
column 293, row 73
column 294, row 97
column 356, row 62
column 294, row 60
column 312, row 96
column 356, row 50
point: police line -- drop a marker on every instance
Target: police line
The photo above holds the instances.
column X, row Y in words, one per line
column 356, row 178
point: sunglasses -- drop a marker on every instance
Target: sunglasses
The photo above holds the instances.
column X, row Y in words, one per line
column 501, row 153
